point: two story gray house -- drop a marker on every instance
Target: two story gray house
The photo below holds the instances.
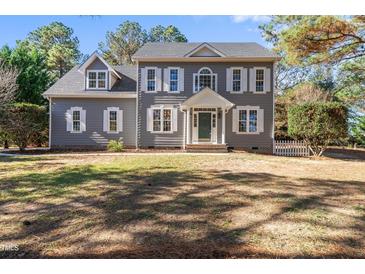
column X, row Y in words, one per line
column 185, row 95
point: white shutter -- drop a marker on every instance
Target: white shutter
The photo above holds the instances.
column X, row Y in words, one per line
column 83, row 120
column 260, row 120
column 149, row 119
column 181, row 79
column 174, row 119
column 194, row 76
column 244, row 79
column 143, row 79
column 158, row 80
column 267, row 80
column 106, row 120
column 252, row 86
column 120, row 120
column 68, row 115
column 166, row 80
column 235, row 120
column 229, row 79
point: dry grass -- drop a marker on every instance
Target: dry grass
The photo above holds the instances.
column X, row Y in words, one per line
column 141, row 206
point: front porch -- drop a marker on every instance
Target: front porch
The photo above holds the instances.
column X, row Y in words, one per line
column 205, row 120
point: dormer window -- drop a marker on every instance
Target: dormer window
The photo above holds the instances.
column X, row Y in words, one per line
column 96, row 79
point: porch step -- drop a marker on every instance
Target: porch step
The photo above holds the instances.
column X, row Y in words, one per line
column 209, row 148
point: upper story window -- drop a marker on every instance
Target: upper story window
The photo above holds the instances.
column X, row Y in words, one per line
column 96, row 79
column 174, row 79
column 205, row 78
column 259, row 80
column 236, row 80
column 151, row 79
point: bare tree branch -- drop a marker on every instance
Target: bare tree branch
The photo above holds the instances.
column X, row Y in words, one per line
column 8, row 85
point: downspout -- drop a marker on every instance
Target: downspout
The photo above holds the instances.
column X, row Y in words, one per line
column 50, row 123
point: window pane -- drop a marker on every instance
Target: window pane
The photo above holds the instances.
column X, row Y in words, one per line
column 213, row 120
column 173, row 86
column 113, row 126
column 253, row 121
column 236, row 86
column 101, row 75
column 76, row 126
column 92, row 75
column 151, row 85
column 101, row 83
column 205, row 71
column 76, row 115
column 156, row 120
column 92, row 83
column 205, row 81
column 151, row 74
column 236, row 74
column 242, row 121
column 173, row 74
column 167, row 120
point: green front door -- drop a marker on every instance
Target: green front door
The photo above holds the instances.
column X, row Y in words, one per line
column 204, row 126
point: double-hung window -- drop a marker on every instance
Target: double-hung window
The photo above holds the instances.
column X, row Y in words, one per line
column 247, row 120
column 259, row 83
column 236, row 80
column 76, row 121
column 174, row 79
column 151, row 79
column 162, row 120
column 96, row 79
column 113, row 121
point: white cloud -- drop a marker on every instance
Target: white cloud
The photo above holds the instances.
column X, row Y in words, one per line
column 253, row 18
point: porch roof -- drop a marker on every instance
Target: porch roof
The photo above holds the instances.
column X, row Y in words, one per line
column 207, row 98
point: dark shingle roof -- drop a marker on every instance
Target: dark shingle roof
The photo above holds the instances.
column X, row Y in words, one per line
column 176, row 50
column 73, row 81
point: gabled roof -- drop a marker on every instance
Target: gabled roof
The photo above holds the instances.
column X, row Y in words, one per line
column 204, row 46
column 182, row 50
column 91, row 59
column 207, row 98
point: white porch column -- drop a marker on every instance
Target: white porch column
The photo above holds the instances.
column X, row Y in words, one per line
column 223, row 126
column 188, row 126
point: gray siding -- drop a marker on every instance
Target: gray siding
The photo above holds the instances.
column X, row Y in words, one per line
column 94, row 136
column 262, row 141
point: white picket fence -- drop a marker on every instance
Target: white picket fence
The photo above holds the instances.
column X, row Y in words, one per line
column 290, row 148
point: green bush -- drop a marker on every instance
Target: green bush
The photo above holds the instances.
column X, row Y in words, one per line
column 22, row 122
column 115, row 145
column 318, row 124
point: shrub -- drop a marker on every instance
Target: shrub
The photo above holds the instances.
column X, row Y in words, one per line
column 318, row 124
column 115, row 145
column 22, row 121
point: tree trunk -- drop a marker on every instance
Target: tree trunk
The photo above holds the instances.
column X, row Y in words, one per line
column 6, row 144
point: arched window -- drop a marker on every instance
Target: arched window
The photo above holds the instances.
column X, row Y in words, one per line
column 205, row 78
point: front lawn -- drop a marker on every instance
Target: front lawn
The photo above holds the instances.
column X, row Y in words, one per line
column 182, row 206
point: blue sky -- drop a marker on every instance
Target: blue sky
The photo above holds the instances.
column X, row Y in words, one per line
column 91, row 29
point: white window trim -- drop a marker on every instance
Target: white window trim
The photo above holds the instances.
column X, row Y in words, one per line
column 178, row 79
column 109, row 109
column 241, row 87
column 248, row 108
column 198, row 74
column 97, row 80
column 161, row 119
column 72, row 119
column 255, row 69
column 155, row 69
